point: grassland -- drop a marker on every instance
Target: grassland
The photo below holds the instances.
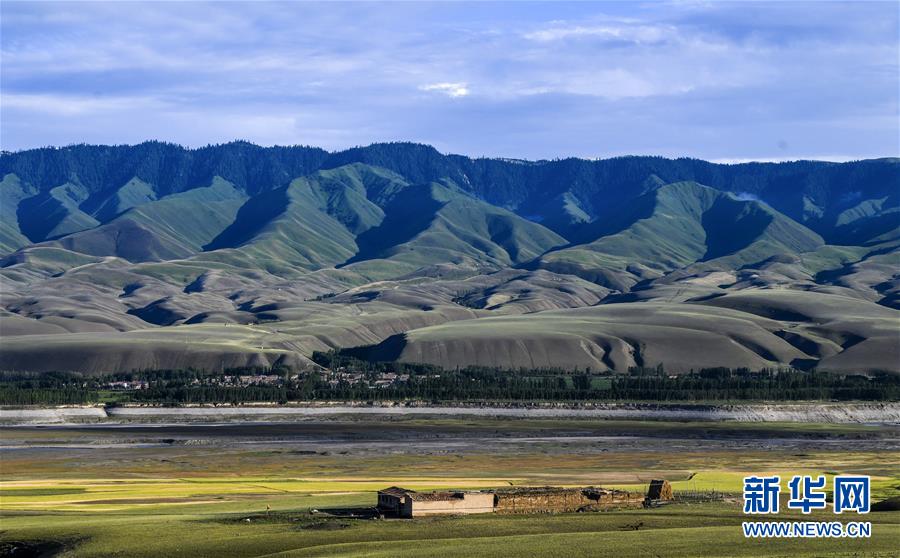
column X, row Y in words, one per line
column 710, row 530
column 182, row 490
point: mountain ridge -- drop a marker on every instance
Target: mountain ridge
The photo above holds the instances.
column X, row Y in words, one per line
column 123, row 257
column 525, row 188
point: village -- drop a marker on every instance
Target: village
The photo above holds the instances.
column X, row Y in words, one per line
column 334, row 379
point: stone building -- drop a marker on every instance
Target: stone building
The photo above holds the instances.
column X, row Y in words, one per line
column 409, row 503
column 390, row 500
column 558, row 500
column 403, row 502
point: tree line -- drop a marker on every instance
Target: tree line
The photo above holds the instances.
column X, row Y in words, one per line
column 349, row 379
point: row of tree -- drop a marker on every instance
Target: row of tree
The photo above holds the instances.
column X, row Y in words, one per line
column 11, row 395
column 356, row 380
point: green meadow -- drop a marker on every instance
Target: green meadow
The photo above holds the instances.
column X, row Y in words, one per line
column 110, row 493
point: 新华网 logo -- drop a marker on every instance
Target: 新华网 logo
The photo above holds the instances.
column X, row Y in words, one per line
column 851, row 493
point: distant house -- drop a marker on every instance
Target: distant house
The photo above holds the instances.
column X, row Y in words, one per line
column 403, row 502
column 390, row 500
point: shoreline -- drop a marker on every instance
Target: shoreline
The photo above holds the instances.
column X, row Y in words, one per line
column 803, row 412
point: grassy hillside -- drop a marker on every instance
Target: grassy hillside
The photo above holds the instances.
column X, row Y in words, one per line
column 54, row 213
column 158, row 230
column 439, row 223
column 752, row 329
column 674, row 226
column 12, row 192
column 818, row 194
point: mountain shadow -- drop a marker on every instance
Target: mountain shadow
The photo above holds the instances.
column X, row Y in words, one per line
column 732, row 225
column 251, row 218
column 405, row 218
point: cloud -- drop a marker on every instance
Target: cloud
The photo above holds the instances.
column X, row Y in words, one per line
column 587, row 79
column 610, row 32
column 71, row 105
column 449, row 89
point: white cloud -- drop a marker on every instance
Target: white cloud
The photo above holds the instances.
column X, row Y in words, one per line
column 615, row 32
column 449, row 89
column 615, row 83
column 661, row 78
column 68, row 105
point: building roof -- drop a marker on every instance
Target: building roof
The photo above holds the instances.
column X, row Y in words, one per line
column 436, row 496
column 539, row 490
column 397, row 491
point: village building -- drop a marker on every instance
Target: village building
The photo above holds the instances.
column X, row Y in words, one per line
column 560, row 500
column 409, row 503
column 402, row 502
column 391, row 500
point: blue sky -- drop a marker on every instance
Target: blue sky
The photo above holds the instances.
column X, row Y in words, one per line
column 722, row 81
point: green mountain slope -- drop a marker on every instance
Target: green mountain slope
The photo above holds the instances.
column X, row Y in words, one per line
column 54, row 213
column 158, row 256
column 135, row 192
column 439, row 223
column 557, row 193
column 12, row 191
column 176, row 226
column 674, row 226
column 310, row 224
column 375, row 224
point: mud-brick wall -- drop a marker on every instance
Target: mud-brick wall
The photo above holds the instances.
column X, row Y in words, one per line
column 563, row 500
column 469, row 503
column 617, row 500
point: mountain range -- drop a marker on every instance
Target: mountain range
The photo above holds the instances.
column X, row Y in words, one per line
column 154, row 256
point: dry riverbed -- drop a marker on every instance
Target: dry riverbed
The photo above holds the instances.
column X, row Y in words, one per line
column 824, row 413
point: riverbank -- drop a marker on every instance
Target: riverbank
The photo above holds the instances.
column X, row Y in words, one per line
column 811, row 412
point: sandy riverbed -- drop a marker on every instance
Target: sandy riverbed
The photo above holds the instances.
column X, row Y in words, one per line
column 861, row 413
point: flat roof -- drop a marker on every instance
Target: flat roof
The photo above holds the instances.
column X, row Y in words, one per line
column 436, row 496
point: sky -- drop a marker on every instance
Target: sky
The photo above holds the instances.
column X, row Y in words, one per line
column 722, row 81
